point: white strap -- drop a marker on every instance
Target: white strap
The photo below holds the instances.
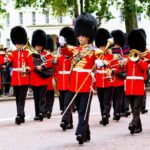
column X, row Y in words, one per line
column 101, row 71
column 64, row 72
column 17, row 69
column 81, row 70
column 135, row 78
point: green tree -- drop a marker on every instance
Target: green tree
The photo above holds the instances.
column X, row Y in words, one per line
column 101, row 8
column 2, row 12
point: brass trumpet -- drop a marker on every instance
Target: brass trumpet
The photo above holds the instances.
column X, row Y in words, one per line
column 134, row 55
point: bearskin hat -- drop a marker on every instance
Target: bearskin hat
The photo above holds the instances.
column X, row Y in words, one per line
column 119, row 37
column 49, row 43
column 18, row 35
column 136, row 40
column 39, row 38
column 143, row 31
column 86, row 25
column 69, row 35
column 102, row 36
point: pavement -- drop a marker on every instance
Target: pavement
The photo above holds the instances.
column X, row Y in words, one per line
column 47, row 135
column 10, row 98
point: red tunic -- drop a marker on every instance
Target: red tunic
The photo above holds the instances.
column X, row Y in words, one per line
column 64, row 66
column 19, row 58
column 134, row 83
column 35, row 79
column 82, row 69
column 102, row 78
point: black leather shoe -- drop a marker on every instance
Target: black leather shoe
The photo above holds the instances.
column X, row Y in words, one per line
column 104, row 120
column 41, row 117
column 80, row 139
column 18, row 120
column 87, row 138
column 36, row 118
column 116, row 117
column 143, row 111
column 127, row 113
column 70, row 126
column 138, row 130
column 63, row 125
column 22, row 120
column 131, row 128
column 48, row 115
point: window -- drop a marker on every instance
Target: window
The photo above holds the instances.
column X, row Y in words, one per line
column 8, row 43
column 121, row 15
column 8, row 20
column 21, row 18
column 60, row 20
column 139, row 17
column 47, row 17
column 33, row 18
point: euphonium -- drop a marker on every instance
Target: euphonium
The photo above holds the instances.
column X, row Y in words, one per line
column 134, row 55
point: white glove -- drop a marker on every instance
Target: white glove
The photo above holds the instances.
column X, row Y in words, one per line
column 99, row 63
column 62, row 41
column 106, row 62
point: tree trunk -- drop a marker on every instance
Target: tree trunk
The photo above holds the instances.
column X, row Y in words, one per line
column 76, row 9
column 130, row 15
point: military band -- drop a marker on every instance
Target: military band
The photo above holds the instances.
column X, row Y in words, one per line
column 113, row 70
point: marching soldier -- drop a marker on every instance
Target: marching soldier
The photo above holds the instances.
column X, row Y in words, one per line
column 143, row 108
column 136, row 67
column 104, row 79
column 64, row 66
column 80, row 76
column 118, row 92
column 50, row 89
column 20, row 60
column 37, row 82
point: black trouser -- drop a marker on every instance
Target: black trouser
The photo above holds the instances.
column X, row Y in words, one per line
column 67, row 117
column 117, row 99
column 49, row 100
column 104, row 96
column 135, row 102
column 20, row 93
column 61, row 99
column 83, row 103
column 125, row 104
column 143, row 107
column 6, row 79
column 39, row 93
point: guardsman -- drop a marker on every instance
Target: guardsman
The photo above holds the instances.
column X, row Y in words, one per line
column 20, row 60
column 118, row 91
column 37, row 82
column 125, row 111
column 143, row 108
column 50, row 89
column 136, row 67
column 81, row 69
column 64, row 67
column 104, row 79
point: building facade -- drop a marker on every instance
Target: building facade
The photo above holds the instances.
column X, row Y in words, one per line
column 33, row 19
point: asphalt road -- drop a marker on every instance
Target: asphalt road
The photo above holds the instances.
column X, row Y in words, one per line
column 48, row 135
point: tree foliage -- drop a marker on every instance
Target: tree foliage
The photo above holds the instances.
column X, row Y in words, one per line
column 101, row 8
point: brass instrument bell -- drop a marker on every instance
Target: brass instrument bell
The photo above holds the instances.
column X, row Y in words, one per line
column 134, row 55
